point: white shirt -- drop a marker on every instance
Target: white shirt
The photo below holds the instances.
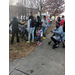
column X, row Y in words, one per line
column 44, row 23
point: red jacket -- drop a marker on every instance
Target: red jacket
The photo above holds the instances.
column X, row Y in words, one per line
column 62, row 22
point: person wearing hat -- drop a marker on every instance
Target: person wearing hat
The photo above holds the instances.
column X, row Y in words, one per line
column 14, row 24
column 44, row 27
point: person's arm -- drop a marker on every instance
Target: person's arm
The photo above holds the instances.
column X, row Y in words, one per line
column 10, row 23
column 21, row 23
column 28, row 26
column 53, row 29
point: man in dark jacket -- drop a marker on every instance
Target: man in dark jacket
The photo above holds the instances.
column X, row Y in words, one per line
column 38, row 22
column 14, row 24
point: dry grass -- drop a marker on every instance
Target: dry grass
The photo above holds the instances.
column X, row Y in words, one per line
column 22, row 49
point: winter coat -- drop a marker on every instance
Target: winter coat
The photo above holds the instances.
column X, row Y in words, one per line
column 59, row 32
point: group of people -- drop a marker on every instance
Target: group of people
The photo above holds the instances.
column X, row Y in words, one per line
column 36, row 27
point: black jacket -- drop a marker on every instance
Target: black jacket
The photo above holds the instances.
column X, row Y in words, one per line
column 38, row 23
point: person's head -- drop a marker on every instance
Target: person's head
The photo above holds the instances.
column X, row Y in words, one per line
column 38, row 17
column 14, row 18
column 31, row 13
column 59, row 19
column 44, row 17
column 30, row 17
column 62, row 17
column 57, row 24
column 39, row 28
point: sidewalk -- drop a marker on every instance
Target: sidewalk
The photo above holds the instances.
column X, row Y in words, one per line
column 42, row 61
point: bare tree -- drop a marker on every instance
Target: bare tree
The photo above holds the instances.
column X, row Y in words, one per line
column 39, row 5
column 55, row 7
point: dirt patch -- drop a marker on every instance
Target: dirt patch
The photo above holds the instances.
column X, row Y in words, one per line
column 22, row 49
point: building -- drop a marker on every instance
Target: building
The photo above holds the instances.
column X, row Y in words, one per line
column 19, row 11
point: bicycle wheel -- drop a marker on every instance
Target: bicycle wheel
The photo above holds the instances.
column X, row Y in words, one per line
column 26, row 37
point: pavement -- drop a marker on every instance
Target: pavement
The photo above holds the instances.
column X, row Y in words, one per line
column 42, row 61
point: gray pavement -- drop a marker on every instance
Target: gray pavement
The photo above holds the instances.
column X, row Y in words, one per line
column 43, row 61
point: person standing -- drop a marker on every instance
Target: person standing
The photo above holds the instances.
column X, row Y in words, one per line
column 44, row 27
column 14, row 24
column 31, row 29
column 58, row 19
column 38, row 22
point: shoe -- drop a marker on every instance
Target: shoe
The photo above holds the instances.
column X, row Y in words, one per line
column 11, row 43
column 55, row 46
column 63, row 46
column 44, row 38
column 18, row 42
column 28, row 42
column 39, row 44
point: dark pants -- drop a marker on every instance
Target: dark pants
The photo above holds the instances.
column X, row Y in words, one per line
column 39, row 38
column 55, row 41
column 13, row 34
column 35, row 32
